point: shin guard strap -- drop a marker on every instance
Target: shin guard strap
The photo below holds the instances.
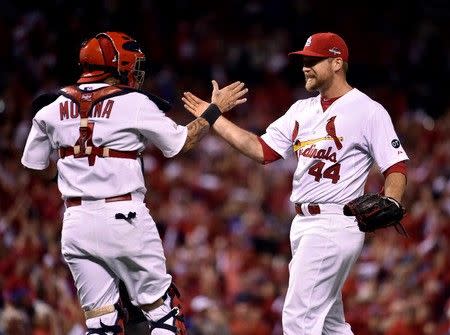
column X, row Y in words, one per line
column 104, row 330
column 160, row 323
column 99, row 311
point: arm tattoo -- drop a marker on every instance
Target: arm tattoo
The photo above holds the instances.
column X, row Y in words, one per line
column 197, row 129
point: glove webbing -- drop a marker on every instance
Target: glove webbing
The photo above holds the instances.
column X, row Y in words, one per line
column 401, row 229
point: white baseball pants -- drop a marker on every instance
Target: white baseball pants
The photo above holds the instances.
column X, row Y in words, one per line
column 324, row 248
column 99, row 249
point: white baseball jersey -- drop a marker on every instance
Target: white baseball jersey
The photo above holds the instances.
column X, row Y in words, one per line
column 126, row 123
column 335, row 148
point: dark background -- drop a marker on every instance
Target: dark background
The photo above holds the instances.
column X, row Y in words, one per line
column 224, row 219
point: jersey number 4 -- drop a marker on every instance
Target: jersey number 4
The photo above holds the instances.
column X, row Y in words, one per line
column 331, row 173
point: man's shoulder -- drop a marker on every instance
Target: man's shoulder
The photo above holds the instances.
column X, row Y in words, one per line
column 364, row 98
column 306, row 104
column 43, row 102
column 138, row 95
column 161, row 103
column 371, row 110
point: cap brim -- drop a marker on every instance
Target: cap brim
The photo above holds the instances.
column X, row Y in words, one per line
column 308, row 53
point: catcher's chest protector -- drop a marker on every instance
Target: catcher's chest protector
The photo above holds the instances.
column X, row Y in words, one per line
column 87, row 102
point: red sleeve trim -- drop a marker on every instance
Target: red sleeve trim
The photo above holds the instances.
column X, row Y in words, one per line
column 400, row 167
column 269, row 154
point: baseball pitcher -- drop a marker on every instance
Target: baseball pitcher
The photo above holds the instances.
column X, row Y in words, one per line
column 336, row 137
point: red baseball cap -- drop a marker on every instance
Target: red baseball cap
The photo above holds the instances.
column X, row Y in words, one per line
column 324, row 45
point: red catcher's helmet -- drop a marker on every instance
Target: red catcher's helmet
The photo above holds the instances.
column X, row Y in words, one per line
column 112, row 54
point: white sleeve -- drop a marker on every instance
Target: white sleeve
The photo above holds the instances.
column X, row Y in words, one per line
column 278, row 135
column 382, row 140
column 160, row 130
column 37, row 148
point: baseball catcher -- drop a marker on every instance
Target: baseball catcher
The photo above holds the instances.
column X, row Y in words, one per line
column 374, row 211
column 100, row 127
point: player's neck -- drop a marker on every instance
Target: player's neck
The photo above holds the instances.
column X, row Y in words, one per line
column 336, row 90
column 112, row 81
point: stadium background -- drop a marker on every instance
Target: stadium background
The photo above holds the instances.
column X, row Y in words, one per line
column 225, row 220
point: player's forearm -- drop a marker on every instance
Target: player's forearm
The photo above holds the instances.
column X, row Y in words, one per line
column 394, row 185
column 241, row 139
column 48, row 173
column 197, row 129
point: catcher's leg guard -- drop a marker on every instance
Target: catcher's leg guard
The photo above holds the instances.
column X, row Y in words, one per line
column 134, row 313
column 136, row 323
column 168, row 317
column 106, row 320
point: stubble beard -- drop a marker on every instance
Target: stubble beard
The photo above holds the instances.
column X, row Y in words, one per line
column 312, row 84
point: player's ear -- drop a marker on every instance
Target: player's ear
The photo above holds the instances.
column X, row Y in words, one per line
column 337, row 64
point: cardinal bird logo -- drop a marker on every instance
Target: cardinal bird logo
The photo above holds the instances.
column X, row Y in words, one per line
column 331, row 136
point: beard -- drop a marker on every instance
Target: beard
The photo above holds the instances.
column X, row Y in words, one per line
column 316, row 83
column 312, row 84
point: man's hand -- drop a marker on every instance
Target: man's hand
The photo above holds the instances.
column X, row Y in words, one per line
column 225, row 98
column 228, row 97
column 194, row 104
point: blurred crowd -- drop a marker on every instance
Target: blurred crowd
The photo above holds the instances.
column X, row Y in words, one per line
column 224, row 219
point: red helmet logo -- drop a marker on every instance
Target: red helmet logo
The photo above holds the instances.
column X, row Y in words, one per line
column 112, row 54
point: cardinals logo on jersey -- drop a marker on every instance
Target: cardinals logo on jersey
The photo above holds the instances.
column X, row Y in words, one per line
column 319, row 168
column 331, row 136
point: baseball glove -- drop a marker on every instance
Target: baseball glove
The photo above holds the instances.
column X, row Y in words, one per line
column 374, row 211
